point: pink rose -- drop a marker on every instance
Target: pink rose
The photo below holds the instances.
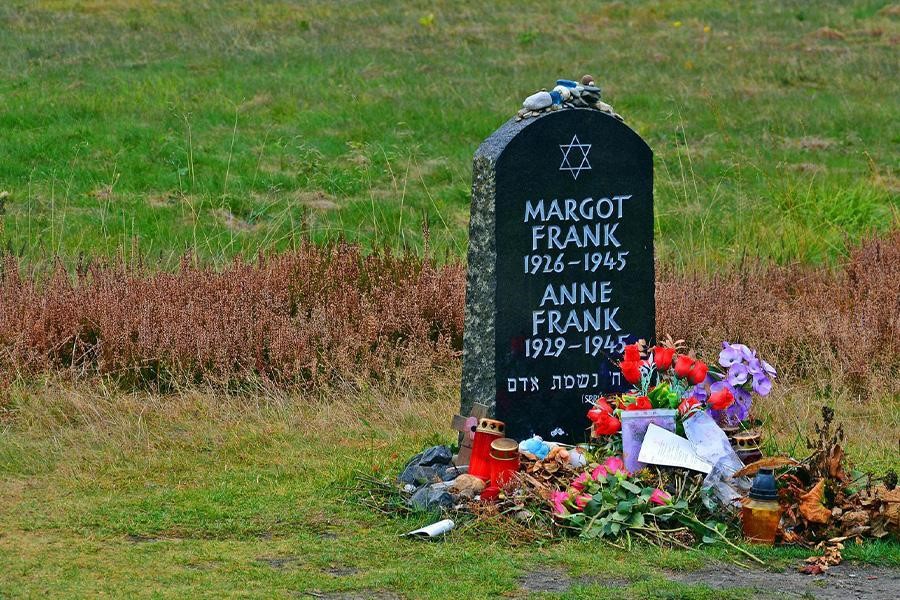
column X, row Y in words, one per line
column 558, row 499
column 611, row 466
column 660, row 497
column 579, row 482
column 581, row 500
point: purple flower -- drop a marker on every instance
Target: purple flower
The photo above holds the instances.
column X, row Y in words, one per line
column 699, row 392
column 762, row 385
column 738, row 374
column 730, row 355
column 769, row 369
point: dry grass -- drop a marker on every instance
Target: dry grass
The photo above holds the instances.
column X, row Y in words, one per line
column 838, row 330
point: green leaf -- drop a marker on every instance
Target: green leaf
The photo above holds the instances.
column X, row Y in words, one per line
column 625, row 506
column 710, row 540
column 615, row 528
column 630, row 486
column 593, row 507
column 637, row 520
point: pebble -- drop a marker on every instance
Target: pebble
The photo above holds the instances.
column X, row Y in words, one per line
column 587, row 80
column 429, row 498
column 564, row 92
column 538, row 101
column 467, row 486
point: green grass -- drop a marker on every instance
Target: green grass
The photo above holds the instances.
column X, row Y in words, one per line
column 230, row 127
column 196, row 494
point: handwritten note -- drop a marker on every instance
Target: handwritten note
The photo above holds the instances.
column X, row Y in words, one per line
column 662, row 447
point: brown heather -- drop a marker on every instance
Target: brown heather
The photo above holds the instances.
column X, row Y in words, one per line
column 324, row 314
column 838, row 329
column 310, row 317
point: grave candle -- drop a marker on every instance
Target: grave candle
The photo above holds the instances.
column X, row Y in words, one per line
column 487, row 431
column 504, row 461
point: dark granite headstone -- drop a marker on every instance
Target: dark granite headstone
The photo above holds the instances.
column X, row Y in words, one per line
column 560, row 273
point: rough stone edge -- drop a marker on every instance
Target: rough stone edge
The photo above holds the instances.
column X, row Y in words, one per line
column 478, row 334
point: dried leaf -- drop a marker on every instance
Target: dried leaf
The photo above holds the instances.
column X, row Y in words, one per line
column 834, row 463
column 811, row 506
column 772, row 462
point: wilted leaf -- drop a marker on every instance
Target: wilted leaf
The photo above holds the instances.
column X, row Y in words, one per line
column 766, row 463
column 834, row 463
column 811, row 506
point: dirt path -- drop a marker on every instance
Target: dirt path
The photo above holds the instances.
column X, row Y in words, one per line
column 845, row 582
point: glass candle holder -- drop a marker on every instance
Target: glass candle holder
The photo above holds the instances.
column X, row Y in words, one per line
column 486, row 432
column 761, row 513
column 504, row 461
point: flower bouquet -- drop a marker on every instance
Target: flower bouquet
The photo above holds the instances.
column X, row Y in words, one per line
column 668, row 382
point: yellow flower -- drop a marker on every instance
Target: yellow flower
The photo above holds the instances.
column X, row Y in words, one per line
column 676, row 24
column 707, row 29
column 427, row 20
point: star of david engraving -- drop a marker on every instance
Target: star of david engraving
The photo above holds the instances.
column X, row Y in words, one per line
column 578, row 153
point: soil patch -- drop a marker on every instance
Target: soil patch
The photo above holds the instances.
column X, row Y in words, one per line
column 278, row 562
column 843, row 582
column 354, row 595
column 558, row 581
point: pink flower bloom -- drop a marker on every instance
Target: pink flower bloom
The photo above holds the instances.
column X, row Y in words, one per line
column 579, row 482
column 598, row 472
column 660, row 497
column 557, row 499
column 611, row 466
column 615, row 465
column 581, row 500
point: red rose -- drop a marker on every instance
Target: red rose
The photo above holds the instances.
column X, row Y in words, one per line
column 607, row 425
column 640, row 403
column 662, row 357
column 601, row 408
column 631, row 370
column 698, row 373
column 687, row 405
column 721, row 399
column 632, row 353
column 683, row 364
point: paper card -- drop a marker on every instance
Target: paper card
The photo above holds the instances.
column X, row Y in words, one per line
column 662, row 447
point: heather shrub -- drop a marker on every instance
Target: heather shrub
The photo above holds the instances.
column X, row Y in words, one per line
column 323, row 314
column 839, row 327
column 307, row 317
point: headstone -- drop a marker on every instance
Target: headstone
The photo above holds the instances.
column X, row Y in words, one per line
column 560, row 268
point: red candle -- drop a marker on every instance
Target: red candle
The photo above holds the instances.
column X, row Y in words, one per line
column 504, row 461
column 487, row 431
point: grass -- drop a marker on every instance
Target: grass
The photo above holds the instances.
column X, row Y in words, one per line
column 196, row 494
column 231, row 127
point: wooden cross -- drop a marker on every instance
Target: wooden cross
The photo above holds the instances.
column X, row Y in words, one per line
column 466, row 428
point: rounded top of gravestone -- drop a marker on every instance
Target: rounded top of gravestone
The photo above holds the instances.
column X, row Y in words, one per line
column 492, row 147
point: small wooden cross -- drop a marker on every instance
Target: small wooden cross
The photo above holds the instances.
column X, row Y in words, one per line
column 466, row 428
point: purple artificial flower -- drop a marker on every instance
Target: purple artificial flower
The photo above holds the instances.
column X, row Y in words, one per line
column 755, row 366
column 769, row 369
column 762, row 385
column 699, row 392
column 730, row 355
column 738, row 374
